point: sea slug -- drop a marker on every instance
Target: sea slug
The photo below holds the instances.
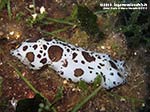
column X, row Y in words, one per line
column 71, row 62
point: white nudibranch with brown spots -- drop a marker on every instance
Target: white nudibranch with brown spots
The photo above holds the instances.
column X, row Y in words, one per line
column 71, row 62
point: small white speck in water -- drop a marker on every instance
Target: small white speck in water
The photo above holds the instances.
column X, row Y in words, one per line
column 42, row 10
column 1, row 63
column 11, row 33
column 34, row 16
column 13, row 102
column 17, row 36
column 135, row 53
column 31, row 6
column 65, row 82
column 102, row 47
column 143, row 104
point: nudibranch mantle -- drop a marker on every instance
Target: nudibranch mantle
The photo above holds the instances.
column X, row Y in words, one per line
column 71, row 62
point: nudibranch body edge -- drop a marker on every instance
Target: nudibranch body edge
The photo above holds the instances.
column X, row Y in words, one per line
column 71, row 62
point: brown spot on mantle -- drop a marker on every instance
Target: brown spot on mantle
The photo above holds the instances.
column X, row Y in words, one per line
column 43, row 61
column 25, row 48
column 78, row 72
column 55, row 53
column 30, row 56
column 120, row 75
column 35, row 46
column 88, row 57
column 65, row 63
column 74, row 55
column 113, row 65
